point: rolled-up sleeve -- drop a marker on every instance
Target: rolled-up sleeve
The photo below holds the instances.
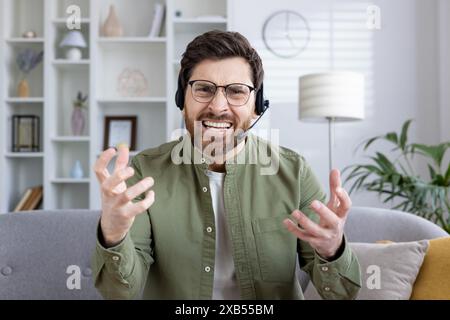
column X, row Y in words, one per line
column 337, row 279
column 120, row 272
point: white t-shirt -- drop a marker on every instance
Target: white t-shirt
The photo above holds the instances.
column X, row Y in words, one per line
column 225, row 282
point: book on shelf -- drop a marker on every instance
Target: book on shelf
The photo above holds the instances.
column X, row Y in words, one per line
column 30, row 200
column 158, row 18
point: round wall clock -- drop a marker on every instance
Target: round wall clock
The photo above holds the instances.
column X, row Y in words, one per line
column 286, row 33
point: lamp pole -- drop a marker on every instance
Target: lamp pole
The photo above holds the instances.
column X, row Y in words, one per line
column 330, row 142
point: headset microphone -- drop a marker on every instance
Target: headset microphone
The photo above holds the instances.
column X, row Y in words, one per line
column 241, row 135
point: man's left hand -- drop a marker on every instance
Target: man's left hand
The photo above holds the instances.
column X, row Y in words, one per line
column 325, row 237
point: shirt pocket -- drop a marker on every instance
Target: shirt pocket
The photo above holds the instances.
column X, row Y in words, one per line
column 276, row 249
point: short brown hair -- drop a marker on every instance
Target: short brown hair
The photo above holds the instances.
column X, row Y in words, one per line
column 218, row 44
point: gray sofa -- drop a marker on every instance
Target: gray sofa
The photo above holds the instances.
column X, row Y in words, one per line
column 41, row 251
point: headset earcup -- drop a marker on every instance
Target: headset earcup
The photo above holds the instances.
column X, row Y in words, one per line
column 178, row 101
column 260, row 103
column 179, row 96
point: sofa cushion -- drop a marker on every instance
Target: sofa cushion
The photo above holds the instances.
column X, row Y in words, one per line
column 47, row 255
column 388, row 271
column 433, row 281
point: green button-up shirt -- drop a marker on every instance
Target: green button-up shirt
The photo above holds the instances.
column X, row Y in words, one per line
column 169, row 252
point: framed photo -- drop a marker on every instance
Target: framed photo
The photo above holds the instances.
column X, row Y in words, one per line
column 25, row 133
column 120, row 130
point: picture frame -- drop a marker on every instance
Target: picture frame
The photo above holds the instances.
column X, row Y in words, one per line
column 25, row 133
column 120, row 130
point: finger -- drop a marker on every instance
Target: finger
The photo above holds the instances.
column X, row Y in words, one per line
column 292, row 227
column 327, row 216
column 135, row 190
column 345, row 202
column 143, row 205
column 309, row 226
column 122, row 157
column 118, row 177
column 335, row 182
column 100, row 166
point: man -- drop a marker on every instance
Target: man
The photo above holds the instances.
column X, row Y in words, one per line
column 212, row 226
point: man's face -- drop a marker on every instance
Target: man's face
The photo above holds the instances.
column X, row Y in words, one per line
column 217, row 121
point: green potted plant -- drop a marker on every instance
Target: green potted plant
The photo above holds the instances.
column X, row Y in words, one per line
column 394, row 179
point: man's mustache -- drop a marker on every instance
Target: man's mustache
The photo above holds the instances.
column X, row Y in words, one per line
column 211, row 116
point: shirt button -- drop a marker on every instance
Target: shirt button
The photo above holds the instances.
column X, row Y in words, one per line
column 207, row 269
column 209, row 229
column 327, row 289
column 325, row 269
column 115, row 258
column 205, row 189
column 203, row 160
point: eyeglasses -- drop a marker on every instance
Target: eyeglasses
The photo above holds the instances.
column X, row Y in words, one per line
column 237, row 94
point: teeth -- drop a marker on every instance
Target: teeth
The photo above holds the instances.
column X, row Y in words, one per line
column 217, row 124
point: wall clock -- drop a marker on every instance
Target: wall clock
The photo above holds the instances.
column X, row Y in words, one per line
column 286, row 33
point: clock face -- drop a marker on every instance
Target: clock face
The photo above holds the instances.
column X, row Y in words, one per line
column 286, row 33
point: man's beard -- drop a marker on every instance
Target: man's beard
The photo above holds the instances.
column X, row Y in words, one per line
column 216, row 143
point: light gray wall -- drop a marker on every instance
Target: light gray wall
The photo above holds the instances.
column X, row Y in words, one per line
column 444, row 67
column 403, row 73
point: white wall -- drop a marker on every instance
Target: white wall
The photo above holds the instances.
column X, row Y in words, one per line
column 444, row 67
column 402, row 73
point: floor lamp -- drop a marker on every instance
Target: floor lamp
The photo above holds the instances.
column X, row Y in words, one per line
column 332, row 97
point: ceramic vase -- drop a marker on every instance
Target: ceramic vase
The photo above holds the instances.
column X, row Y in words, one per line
column 78, row 121
column 23, row 89
column 77, row 170
column 112, row 26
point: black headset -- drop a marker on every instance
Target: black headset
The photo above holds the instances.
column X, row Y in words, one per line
column 261, row 104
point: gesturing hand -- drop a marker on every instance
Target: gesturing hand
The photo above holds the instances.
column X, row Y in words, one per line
column 326, row 236
column 118, row 211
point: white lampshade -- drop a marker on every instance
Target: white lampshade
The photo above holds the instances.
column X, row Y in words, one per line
column 73, row 39
column 335, row 95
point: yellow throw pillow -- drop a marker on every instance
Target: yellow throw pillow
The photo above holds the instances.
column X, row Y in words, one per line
column 433, row 281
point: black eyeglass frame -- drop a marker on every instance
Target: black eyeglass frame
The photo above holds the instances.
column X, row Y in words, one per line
column 225, row 90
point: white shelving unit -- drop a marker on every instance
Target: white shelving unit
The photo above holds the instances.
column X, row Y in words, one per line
column 55, row 83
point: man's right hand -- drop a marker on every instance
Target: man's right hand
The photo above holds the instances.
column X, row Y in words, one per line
column 118, row 210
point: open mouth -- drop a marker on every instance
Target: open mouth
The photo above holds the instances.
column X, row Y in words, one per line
column 220, row 125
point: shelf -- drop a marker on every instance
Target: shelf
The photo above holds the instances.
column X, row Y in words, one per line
column 71, row 62
column 24, row 154
column 129, row 75
column 70, row 65
column 132, row 100
column 71, row 139
column 24, row 40
column 64, row 20
column 213, row 20
column 69, row 180
column 125, row 40
column 25, row 100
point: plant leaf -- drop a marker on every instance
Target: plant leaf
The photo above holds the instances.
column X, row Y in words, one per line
column 392, row 137
column 447, row 176
column 370, row 141
column 435, row 152
column 404, row 134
